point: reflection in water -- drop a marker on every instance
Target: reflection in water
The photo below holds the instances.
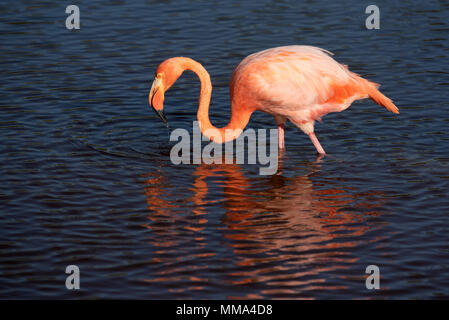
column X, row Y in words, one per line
column 282, row 234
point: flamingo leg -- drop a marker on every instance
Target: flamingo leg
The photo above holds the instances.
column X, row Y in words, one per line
column 316, row 143
column 281, row 136
column 308, row 129
column 280, row 121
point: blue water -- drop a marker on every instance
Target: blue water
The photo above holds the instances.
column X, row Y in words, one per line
column 86, row 177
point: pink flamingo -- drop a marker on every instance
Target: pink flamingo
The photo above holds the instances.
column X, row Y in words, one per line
column 298, row 83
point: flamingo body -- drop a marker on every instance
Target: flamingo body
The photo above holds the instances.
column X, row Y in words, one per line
column 298, row 83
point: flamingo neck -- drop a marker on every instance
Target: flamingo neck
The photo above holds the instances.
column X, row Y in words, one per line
column 239, row 115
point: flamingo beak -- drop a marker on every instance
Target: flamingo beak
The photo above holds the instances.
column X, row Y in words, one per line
column 161, row 115
column 154, row 88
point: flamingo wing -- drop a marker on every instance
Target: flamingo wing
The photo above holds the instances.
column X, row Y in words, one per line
column 302, row 83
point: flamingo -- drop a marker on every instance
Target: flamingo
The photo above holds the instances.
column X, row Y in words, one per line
column 298, row 83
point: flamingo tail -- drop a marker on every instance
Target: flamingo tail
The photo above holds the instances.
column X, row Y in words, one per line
column 379, row 98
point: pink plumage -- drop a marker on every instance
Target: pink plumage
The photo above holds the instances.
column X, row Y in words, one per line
column 298, row 83
column 302, row 84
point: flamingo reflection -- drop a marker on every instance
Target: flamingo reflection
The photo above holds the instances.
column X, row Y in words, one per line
column 284, row 233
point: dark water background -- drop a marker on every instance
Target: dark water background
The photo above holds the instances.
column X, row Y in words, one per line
column 86, row 177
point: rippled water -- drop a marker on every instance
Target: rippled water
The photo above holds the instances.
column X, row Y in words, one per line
column 86, row 177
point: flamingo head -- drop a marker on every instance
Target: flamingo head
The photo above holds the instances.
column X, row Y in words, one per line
column 166, row 74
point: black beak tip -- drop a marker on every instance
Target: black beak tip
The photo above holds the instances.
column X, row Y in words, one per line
column 161, row 115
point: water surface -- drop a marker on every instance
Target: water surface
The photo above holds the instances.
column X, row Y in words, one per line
column 86, row 176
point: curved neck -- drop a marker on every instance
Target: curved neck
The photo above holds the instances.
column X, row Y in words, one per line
column 239, row 114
